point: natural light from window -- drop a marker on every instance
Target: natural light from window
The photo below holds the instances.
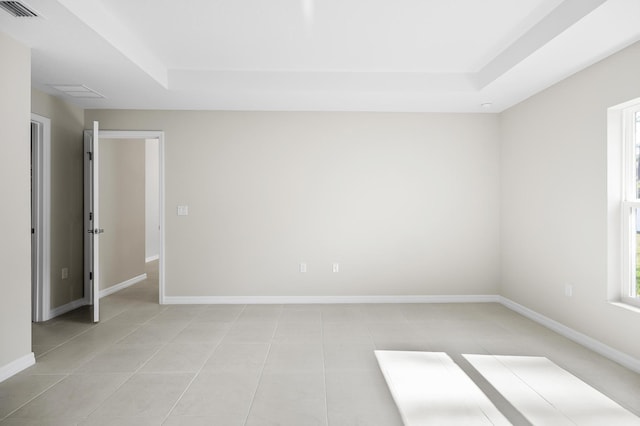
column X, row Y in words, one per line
column 433, row 388
column 631, row 205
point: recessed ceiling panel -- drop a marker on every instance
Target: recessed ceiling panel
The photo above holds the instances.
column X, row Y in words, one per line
column 317, row 55
column 452, row 36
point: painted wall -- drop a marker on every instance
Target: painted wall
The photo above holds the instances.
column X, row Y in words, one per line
column 554, row 201
column 15, row 223
column 67, row 125
column 122, row 210
column 406, row 203
column 152, row 199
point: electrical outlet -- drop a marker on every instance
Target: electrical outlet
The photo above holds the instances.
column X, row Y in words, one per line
column 336, row 267
column 568, row 290
column 65, row 273
column 303, row 267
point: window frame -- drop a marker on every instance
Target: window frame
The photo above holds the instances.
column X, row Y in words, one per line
column 630, row 205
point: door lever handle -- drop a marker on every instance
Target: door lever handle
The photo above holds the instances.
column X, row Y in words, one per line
column 96, row 231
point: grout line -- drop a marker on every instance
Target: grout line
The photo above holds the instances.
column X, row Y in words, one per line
column 127, row 379
column 324, row 367
column 91, row 326
column 36, row 396
column 138, row 326
column 175, row 404
column 66, row 375
column 264, row 365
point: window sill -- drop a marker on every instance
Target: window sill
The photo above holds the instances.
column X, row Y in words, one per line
column 630, row 305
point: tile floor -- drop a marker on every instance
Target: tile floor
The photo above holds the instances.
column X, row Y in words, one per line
column 298, row 365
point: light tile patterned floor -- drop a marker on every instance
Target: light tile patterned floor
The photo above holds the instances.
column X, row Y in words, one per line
column 298, row 365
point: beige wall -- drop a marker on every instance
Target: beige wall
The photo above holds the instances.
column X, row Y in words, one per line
column 122, row 210
column 554, row 201
column 406, row 203
column 15, row 223
column 67, row 124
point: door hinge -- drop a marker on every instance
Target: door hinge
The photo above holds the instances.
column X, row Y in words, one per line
column 90, row 276
column 90, row 154
column 90, row 215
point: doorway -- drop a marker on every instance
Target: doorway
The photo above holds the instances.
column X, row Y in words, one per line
column 40, row 218
column 116, row 202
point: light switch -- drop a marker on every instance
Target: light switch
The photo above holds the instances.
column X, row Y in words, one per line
column 183, row 210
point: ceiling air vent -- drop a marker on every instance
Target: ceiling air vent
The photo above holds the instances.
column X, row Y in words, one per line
column 77, row 91
column 17, row 9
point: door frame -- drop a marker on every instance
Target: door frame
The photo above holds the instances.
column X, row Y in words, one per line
column 41, row 219
column 146, row 134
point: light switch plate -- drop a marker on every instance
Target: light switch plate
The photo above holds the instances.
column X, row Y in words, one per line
column 183, row 210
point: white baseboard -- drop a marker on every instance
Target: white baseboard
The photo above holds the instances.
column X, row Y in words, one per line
column 582, row 339
column 16, row 366
column 152, row 258
column 256, row 300
column 66, row 308
column 122, row 285
column 607, row 351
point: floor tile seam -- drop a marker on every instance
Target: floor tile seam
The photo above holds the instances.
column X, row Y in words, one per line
column 83, row 363
column 375, row 345
column 161, row 346
column 138, row 327
column 145, row 322
column 177, row 333
column 264, row 365
column 106, row 348
column 91, row 326
column 216, row 346
column 99, row 404
column 262, row 370
column 196, row 375
column 324, row 375
column 66, row 376
column 45, row 352
column 34, row 397
column 174, row 342
column 131, row 374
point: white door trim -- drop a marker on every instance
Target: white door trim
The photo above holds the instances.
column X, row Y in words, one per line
column 159, row 135
column 41, row 210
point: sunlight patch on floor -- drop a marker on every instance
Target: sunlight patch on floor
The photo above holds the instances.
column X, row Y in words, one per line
column 429, row 388
column 547, row 394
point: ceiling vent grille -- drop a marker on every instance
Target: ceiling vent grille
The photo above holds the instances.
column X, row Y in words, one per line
column 77, row 91
column 17, row 9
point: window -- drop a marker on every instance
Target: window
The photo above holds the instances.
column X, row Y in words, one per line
column 631, row 205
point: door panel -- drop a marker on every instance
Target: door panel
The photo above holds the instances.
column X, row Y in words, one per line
column 91, row 218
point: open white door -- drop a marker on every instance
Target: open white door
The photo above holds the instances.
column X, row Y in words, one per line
column 91, row 219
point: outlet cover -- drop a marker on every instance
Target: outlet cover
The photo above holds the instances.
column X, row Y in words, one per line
column 183, row 210
column 568, row 290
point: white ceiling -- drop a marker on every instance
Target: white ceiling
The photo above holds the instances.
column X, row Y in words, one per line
column 335, row 55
